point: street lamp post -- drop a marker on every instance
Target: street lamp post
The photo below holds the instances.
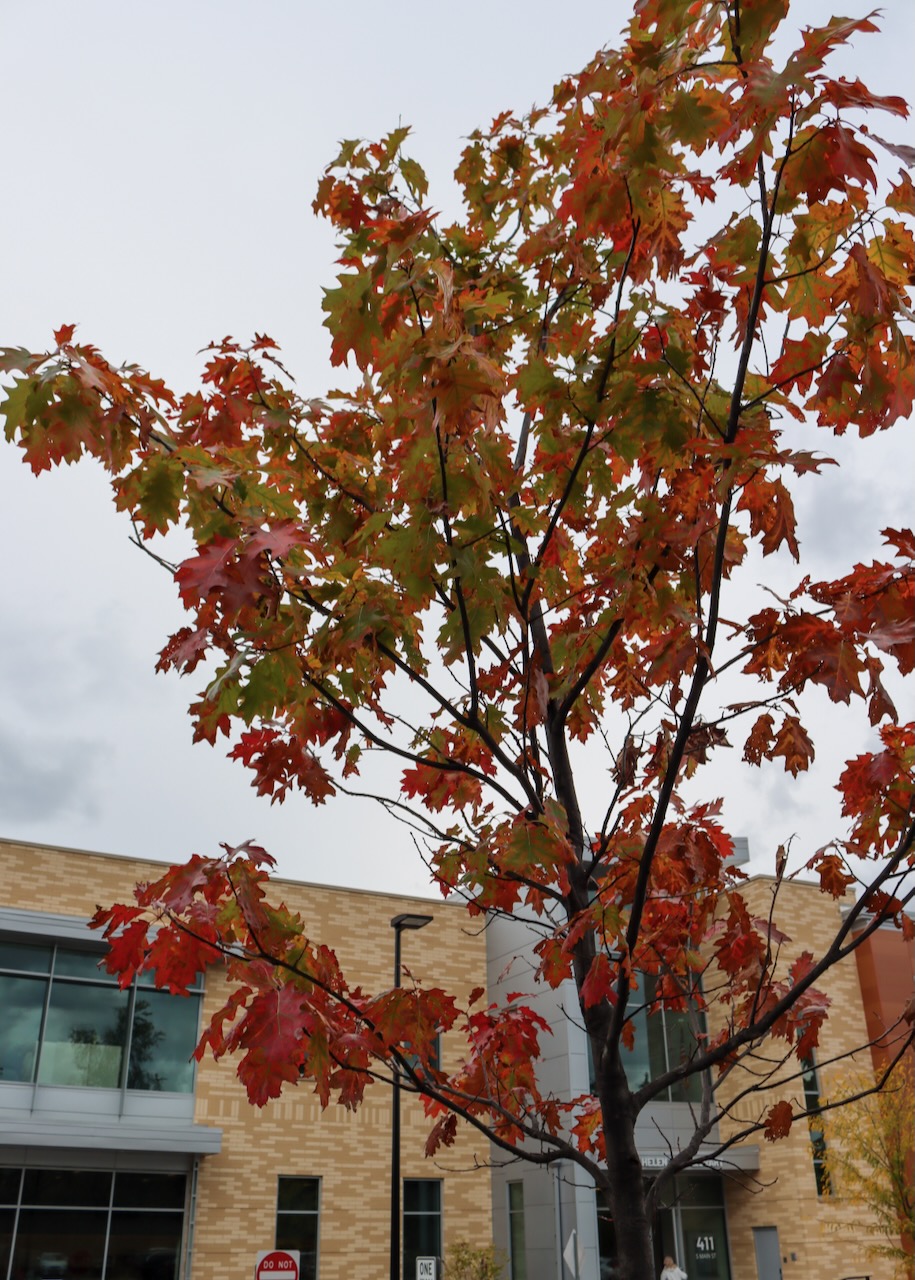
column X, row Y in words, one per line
column 407, row 920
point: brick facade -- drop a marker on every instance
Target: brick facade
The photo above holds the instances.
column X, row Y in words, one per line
column 820, row 1237
column 349, row 1152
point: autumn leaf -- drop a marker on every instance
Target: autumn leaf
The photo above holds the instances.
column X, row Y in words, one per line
column 779, row 1119
column 538, row 556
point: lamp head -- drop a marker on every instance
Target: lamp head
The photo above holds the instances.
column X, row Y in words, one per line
column 410, row 920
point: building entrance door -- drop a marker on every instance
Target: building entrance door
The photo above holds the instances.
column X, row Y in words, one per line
column 690, row 1227
column 768, row 1253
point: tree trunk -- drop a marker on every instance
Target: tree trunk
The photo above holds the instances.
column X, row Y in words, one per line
column 625, row 1181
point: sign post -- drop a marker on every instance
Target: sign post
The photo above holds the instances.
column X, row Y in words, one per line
column 427, row 1269
column 277, row 1264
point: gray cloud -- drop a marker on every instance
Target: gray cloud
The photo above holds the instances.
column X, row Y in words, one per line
column 42, row 779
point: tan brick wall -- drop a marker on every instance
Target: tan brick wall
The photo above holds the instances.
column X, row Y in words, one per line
column 292, row 1136
column 821, row 1238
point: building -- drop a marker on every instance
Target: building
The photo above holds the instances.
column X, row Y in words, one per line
column 788, row 1225
column 760, row 1211
column 120, row 1159
column 542, row 1215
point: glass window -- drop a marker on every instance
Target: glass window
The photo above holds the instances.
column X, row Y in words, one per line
column 81, row 964
column 422, row 1222
column 9, row 1186
column 705, row 1243
column 66, row 1022
column 662, row 1040
column 84, row 1035
column 25, row 957
column 22, row 1001
column 144, row 1245
column 7, row 1222
column 149, row 1191
column 414, row 1060
column 162, row 1040
column 80, row 1224
column 516, row 1249
column 297, row 1216
column 811, row 1081
column 62, row 1187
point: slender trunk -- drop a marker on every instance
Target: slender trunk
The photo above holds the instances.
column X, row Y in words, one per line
column 625, row 1182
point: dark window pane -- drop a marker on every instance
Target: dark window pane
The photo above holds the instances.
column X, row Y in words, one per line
column 60, row 1244
column 9, row 1189
column 636, row 1061
column 700, row 1189
column 149, row 1190
column 647, row 1058
column 811, row 1081
column 657, row 1045
column 665, row 1237
column 81, row 964
column 422, row 1195
column 22, row 1000
column 84, row 1036
column 706, row 1244
column 297, row 1221
column 24, row 957
column 88, row 1187
column 300, row 1231
column 163, row 1039
column 7, row 1219
column 297, row 1195
column 144, row 1246
column 422, row 1222
column 681, row 1045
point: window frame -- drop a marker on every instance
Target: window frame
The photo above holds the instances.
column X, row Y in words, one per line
column 517, row 1258
column 665, row 1024
column 286, row 1214
column 813, row 1093
column 407, row 1214
column 57, row 978
column 108, row 1206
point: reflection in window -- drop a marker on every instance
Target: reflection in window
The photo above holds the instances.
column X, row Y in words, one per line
column 297, row 1221
column 662, row 1041
column 66, row 1022
column 422, row 1222
column 79, row 1224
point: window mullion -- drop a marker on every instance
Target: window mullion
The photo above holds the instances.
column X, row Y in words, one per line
column 39, row 1048
column 128, row 1042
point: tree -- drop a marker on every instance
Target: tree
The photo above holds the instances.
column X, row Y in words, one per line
column 870, row 1156
column 528, row 533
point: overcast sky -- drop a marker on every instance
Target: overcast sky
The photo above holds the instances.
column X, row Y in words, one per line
column 160, row 163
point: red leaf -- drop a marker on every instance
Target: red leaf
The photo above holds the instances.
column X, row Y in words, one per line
column 596, row 985
column 778, row 1121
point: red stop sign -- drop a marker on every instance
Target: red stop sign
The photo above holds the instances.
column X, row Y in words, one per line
column 278, row 1264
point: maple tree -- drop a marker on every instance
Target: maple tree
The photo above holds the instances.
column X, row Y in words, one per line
column 574, row 427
